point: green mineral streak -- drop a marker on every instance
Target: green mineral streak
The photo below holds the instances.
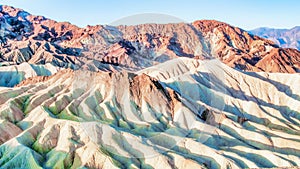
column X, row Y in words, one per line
column 58, row 159
column 68, row 116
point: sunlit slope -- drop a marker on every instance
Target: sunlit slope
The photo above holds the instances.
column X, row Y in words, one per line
column 183, row 113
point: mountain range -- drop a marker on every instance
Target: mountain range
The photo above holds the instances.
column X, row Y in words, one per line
column 204, row 94
column 287, row 38
column 38, row 40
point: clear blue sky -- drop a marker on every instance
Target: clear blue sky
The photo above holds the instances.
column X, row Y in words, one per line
column 247, row 14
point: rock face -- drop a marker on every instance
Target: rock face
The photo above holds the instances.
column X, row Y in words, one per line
column 286, row 38
column 38, row 40
column 179, row 114
column 199, row 95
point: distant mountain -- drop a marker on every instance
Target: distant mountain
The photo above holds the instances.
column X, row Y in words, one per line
column 286, row 38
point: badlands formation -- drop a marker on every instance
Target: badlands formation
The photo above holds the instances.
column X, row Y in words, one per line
column 199, row 95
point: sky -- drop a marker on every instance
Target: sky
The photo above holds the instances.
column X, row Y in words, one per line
column 246, row 14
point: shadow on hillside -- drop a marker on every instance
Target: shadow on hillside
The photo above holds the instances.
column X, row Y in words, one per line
column 11, row 78
column 41, row 70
